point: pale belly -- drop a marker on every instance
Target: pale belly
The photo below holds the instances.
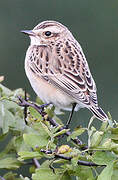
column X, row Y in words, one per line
column 48, row 93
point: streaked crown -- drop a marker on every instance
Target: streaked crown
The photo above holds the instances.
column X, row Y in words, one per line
column 49, row 24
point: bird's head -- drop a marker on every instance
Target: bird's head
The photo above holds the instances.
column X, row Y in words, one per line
column 47, row 32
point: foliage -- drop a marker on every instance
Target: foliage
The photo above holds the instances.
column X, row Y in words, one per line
column 37, row 144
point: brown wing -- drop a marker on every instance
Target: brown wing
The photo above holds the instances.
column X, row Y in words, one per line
column 67, row 69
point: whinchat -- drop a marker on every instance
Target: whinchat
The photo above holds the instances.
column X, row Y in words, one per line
column 58, row 71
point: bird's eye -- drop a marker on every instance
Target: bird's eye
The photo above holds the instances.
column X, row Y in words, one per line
column 48, row 33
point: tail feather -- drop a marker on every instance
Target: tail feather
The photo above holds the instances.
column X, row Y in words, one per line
column 99, row 113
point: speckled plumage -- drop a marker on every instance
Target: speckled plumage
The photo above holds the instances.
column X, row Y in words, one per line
column 58, row 71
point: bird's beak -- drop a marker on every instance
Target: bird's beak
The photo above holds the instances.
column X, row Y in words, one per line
column 28, row 32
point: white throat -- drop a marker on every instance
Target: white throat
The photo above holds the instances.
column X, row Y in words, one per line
column 35, row 40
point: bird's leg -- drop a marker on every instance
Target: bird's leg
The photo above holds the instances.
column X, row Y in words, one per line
column 70, row 116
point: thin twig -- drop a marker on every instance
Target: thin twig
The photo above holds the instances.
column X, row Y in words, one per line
column 80, row 162
column 25, row 109
column 85, row 163
column 36, row 163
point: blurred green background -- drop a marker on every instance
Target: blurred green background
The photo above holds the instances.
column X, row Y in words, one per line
column 94, row 24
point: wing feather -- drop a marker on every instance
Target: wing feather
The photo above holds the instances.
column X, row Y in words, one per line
column 67, row 70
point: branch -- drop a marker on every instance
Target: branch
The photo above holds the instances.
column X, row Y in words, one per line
column 39, row 109
column 85, row 163
column 80, row 162
column 77, row 141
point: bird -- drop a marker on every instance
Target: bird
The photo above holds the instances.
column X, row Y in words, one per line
column 58, row 70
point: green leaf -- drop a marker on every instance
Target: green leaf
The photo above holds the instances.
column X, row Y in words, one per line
column 103, row 158
column 20, row 145
column 90, row 133
column 44, row 172
column 35, row 114
column 2, row 136
column 7, row 119
column 28, row 155
column 10, row 176
column 10, row 119
column 50, row 111
column 9, row 162
column 96, row 139
column 82, row 172
column 18, row 92
column 11, row 106
column 104, row 126
column 42, row 129
column 77, row 132
column 19, row 124
column 63, row 131
column 74, row 160
column 107, row 172
column 114, row 133
column 47, row 173
column 5, row 90
column 39, row 101
column 90, row 122
column 34, row 140
column 110, row 145
column 115, row 171
column 65, row 176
